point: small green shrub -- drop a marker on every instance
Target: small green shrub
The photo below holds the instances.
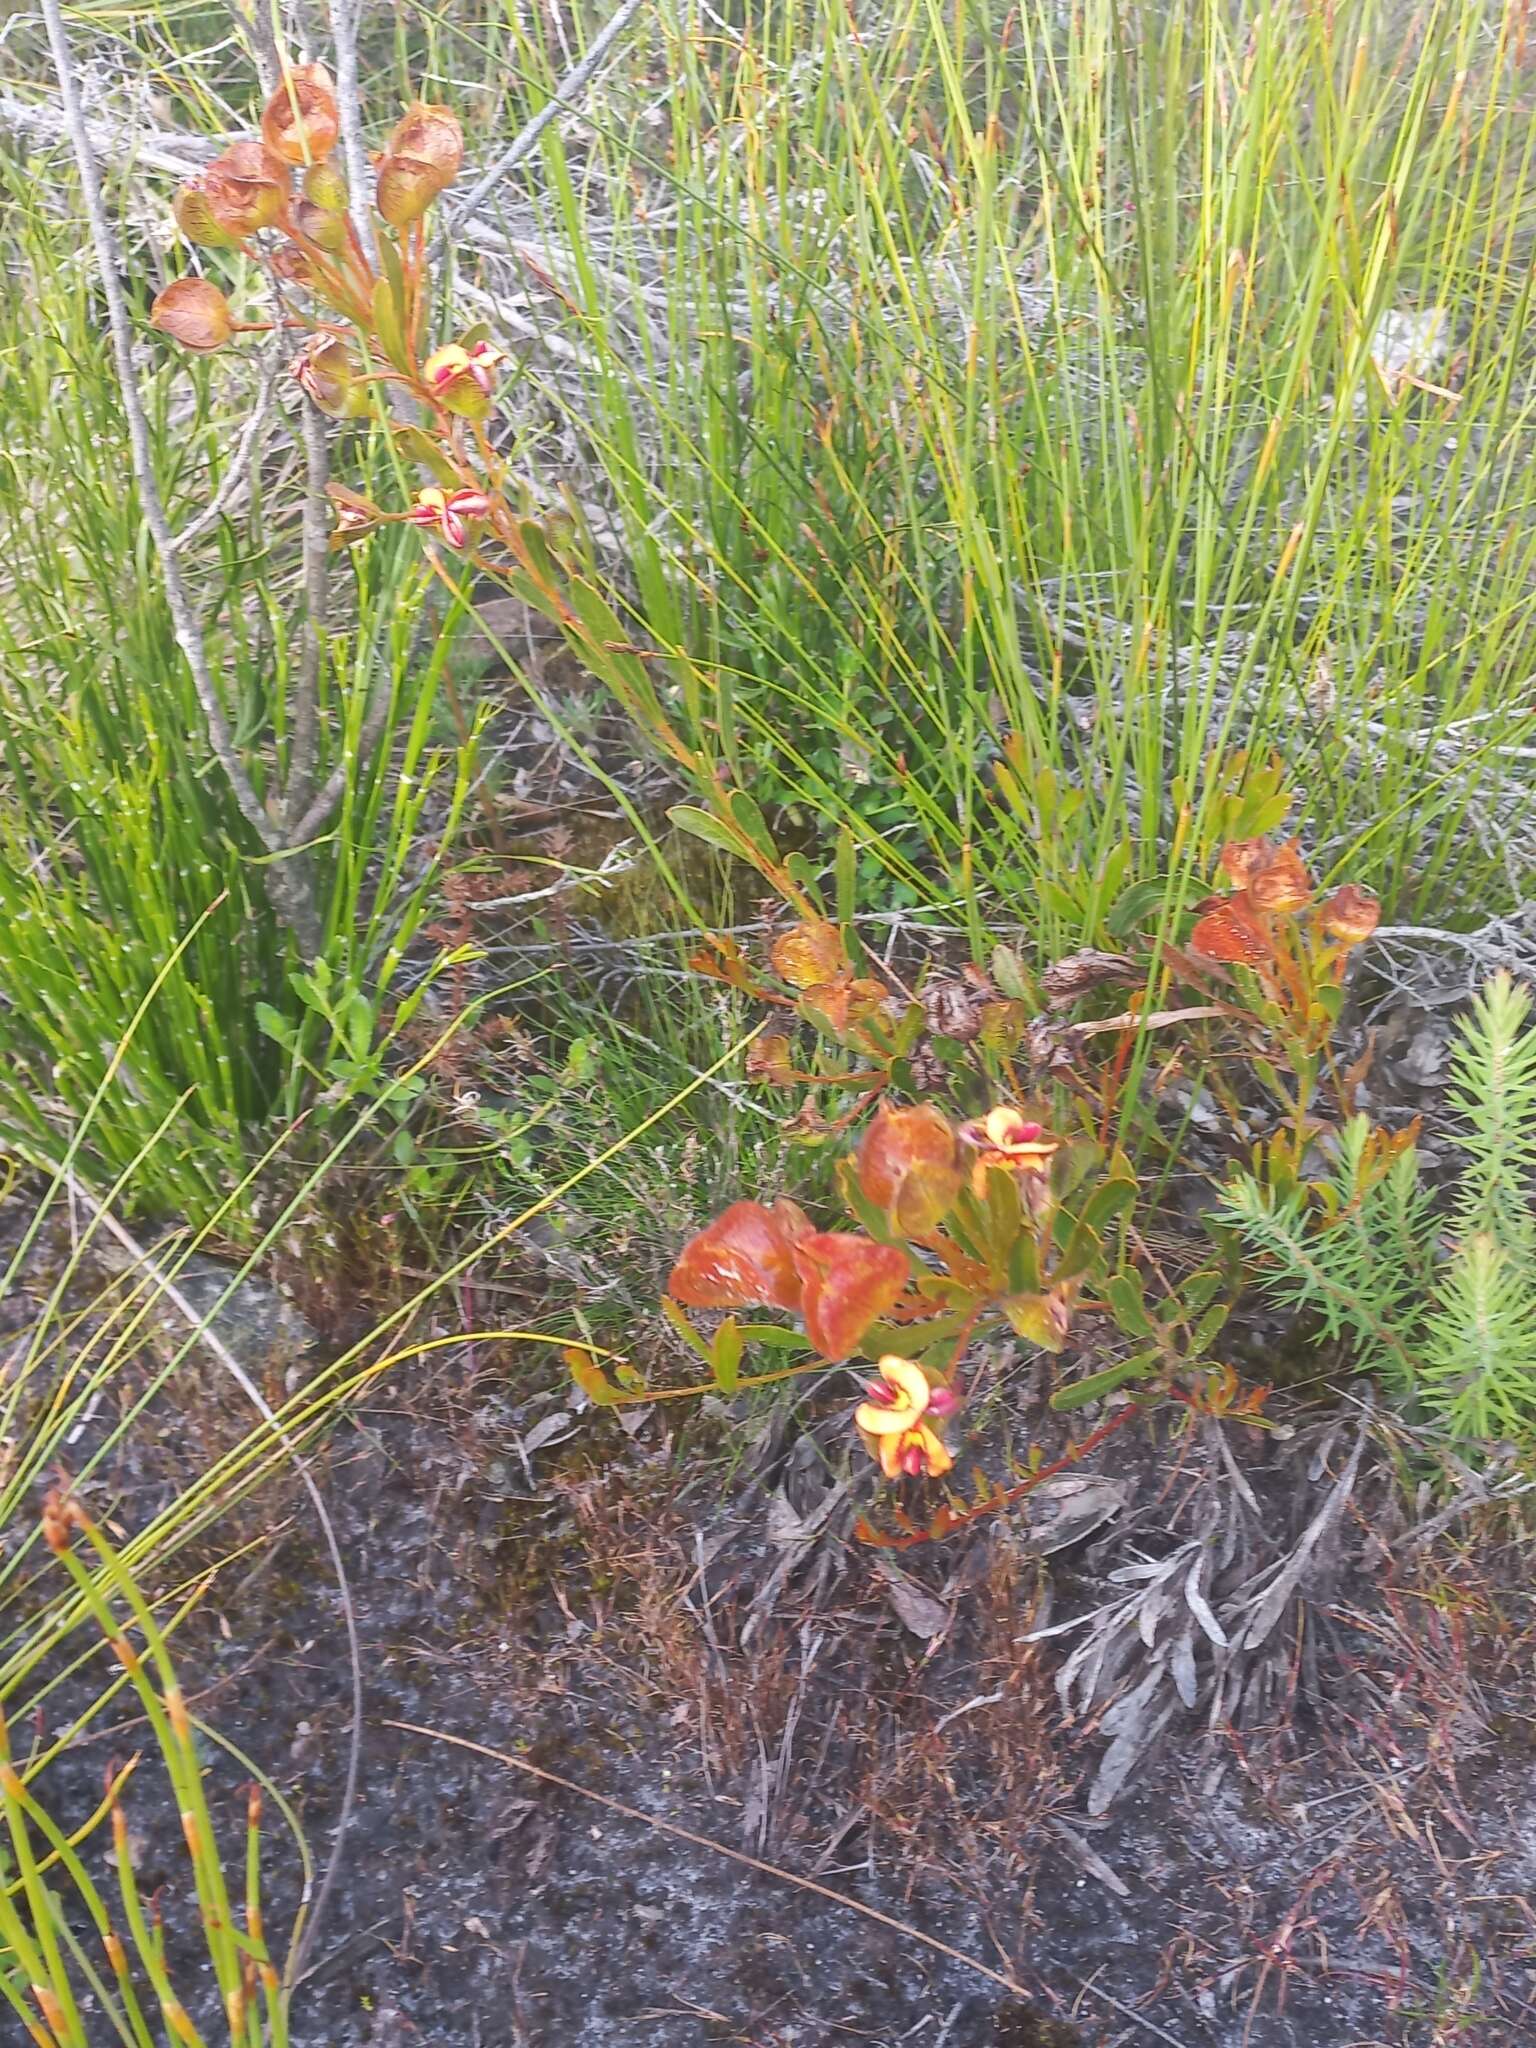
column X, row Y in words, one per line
column 1443, row 1306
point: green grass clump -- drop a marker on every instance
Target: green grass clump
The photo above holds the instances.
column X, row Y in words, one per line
column 999, row 418
column 124, row 860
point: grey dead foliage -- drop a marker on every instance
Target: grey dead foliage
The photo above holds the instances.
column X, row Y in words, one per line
column 1201, row 1623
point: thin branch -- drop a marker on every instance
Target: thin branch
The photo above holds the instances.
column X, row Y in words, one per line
column 561, row 100
column 256, row 27
column 235, row 473
column 175, row 156
column 221, row 1353
column 344, row 16
column 183, row 615
column 318, row 814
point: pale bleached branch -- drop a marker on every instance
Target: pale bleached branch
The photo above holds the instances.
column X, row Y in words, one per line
column 562, row 100
column 287, row 881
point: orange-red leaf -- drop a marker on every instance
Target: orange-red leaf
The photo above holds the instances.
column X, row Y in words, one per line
column 809, row 953
column 908, row 1165
column 849, row 1282
column 1233, row 934
column 744, row 1259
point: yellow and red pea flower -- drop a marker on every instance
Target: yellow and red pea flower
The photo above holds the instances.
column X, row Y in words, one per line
column 1005, row 1137
column 448, row 513
column 462, row 380
column 895, row 1421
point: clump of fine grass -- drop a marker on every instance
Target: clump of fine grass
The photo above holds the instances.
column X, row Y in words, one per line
column 125, row 864
column 996, row 419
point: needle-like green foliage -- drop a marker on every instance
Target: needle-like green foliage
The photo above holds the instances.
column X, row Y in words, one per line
column 1450, row 1319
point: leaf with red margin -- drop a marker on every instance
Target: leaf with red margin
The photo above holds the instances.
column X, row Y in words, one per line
column 744, row 1259
column 1231, row 933
column 848, row 1283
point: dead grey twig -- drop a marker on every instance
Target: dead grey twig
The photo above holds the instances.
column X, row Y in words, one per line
column 287, row 879
column 560, row 101
column 344, row 16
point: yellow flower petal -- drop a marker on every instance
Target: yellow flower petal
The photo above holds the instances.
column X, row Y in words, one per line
column 883, row 1422
column 908, row 1380
column 939, row 1460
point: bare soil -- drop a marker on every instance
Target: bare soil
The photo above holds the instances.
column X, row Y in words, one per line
column 1341, row 1855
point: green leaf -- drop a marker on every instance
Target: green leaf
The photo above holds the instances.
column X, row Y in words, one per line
column 1127, row 913
column 913, row 1340
column 1210, row 1326
column 1108, row 1202
column 725, row 1356
column 806, row 874
column 751, row 823
column 273, row 1024
column 1082, row 1236
column 1127, row 1302
column 847, row 876
column 706, row 826
column 358, row 1020
column 1198, row 1290
column 775, row 1336
column 1098, row 1384
column 389, row 325
column 415, row 446
column 1024, row 1265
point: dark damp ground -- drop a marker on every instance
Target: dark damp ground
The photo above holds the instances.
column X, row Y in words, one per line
column 1335, row 1847
column 1315, row 1711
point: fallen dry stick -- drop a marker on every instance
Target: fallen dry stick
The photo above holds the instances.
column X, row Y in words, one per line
column 805, row 1884
column 670, row 1827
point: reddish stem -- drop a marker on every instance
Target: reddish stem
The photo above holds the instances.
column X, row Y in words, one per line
column 946, row 1521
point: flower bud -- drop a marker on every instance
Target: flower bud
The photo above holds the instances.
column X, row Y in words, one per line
column 405, row 188
column 246, row 188
column 193, row 312
column 1350, row 915
column 197, row 221
column 429, row 135
column 325, row 186
column 317, row 224
column 328, row 376
column 300, row 122
column 355, row 516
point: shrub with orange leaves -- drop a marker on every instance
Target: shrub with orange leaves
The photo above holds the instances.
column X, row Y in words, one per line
column 1297, row 949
